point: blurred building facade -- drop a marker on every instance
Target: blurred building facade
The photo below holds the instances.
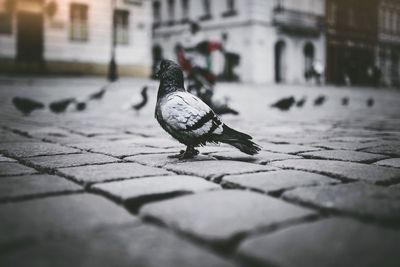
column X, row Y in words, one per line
column 75, row 36
column 277, row 41
column 388, row 50
column 351, row 32
column 363, row 42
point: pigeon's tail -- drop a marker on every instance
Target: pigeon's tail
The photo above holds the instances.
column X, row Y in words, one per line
column 239, row 140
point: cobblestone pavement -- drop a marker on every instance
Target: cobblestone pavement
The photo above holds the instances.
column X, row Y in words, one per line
column 96, row 188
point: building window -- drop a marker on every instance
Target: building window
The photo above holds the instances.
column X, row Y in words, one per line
column 185, row 11
column 230, row 9
column 157, row 13
column 171, row 11
column 207, row 10
column 5, row 23
column 351, row 17
column 121, row 23
column 79, row 22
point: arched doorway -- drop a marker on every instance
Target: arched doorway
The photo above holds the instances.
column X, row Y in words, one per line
column 309, row 55
column 280, row 61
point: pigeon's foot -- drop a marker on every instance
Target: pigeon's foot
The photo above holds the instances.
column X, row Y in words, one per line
column 177, row 156
column 190, row 153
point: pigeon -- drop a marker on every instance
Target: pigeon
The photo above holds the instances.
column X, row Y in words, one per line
column 284, row 104
column 223, row 108
column 26, row 105
column 319, row 101
column 301, row 102
column 61, row 105
column 144, row 100
column 80, row 106
column 191, row 121
column 345, row 101
column 98, row 95
column 370, row 102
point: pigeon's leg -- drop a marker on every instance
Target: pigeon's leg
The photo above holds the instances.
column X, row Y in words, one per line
column 189, row 153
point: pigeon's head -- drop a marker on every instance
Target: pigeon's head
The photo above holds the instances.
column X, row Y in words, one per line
column 168, row 67
column 171, row 76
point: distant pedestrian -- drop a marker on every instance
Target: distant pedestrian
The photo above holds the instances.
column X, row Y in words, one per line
column 318, row 71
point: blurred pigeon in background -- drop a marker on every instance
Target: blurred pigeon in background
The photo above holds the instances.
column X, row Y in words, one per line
column 223, row 108
column 26, row 105
column 370, row 102
column 98, row 95
column 320, row 100
column 301, row 102
column 284, row 104
column 345, row 101
column 143, row 101
column 61, row 106
column 189, row 120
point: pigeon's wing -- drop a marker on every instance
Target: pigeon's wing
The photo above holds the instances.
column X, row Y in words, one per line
column 188, row 115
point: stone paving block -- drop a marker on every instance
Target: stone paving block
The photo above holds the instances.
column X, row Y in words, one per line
column 342, row 145
column 395, row 162
column 137, row 191
column 359, row 198
column 95, row 143
column 299, row 139
column 66, row 139
column 160, row 160
column 147, row 132
column 109, row 172
column 69, row 160
column 6, row 159
column 344, row 170
column 329, row 243
column 275, row 181
column 34, row 149
column 90, row 131
column 39, row 219
column 20, row 187
column 141, row 246
column 50, row 131
column 356, row 139
column 156, row 142
column 116, row 137
column 262, row 157
column 288, row 148
column 122, row 148
column 216, row 168
column 391, row 150
column 13, row 168
column 344, row 155
column 8, row 136
column 219, row 216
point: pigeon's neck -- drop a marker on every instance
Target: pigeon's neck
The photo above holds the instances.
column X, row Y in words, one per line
column 170, row 85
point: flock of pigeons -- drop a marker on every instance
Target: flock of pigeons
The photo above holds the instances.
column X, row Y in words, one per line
column 287, row 103
column 26, row 105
